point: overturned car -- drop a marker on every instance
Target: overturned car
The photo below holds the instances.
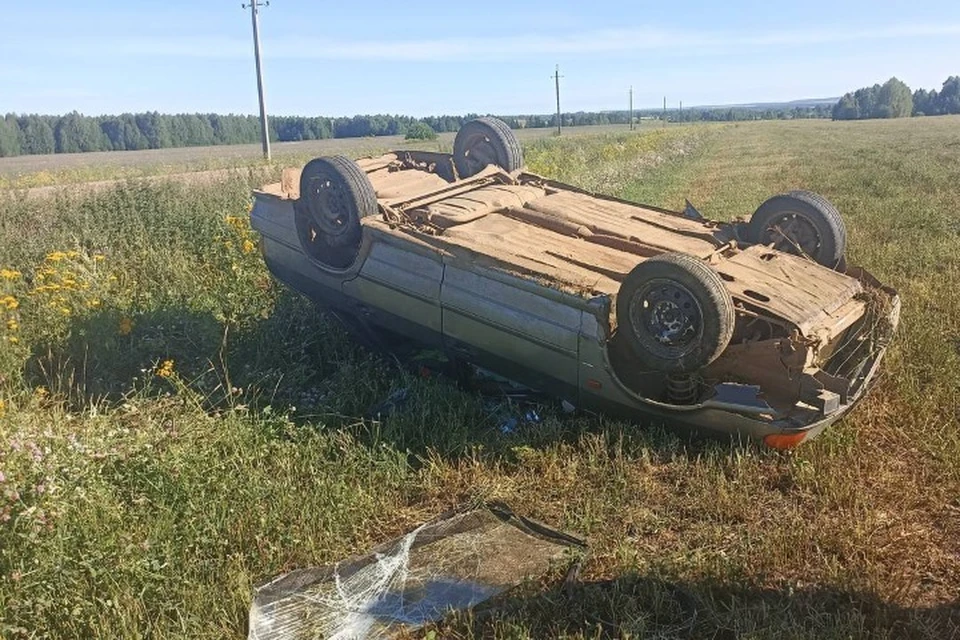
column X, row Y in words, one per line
column 756, row 327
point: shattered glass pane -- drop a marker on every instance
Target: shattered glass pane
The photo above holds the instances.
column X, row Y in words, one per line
column 451, row 563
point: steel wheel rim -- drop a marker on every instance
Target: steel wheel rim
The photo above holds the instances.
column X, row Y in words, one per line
column 793, row 233
column 328, row 206
column 666, row 314
column 479, row 152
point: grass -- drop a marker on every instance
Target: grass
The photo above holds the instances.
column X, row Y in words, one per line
column 175, row 426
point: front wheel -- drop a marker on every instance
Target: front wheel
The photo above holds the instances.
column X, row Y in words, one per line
column 676, row 313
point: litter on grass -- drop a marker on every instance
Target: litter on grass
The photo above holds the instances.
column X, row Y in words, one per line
column 454, row 562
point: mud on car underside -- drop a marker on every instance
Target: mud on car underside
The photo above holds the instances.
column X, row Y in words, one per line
column 755, row 327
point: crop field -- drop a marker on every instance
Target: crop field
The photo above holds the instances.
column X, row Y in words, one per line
column 48, row 171
column 176, row 427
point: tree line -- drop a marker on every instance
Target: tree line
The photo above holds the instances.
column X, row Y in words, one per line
column 74, row 132
column 893, row 99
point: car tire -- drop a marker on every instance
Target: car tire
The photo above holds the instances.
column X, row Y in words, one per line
column 335, row 194
column 486, row 141
column 802, row 223
column 676, row 313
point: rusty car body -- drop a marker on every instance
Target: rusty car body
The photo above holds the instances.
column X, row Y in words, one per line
column 755, row 327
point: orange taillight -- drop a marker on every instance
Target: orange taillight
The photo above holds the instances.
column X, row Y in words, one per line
column 784, row 440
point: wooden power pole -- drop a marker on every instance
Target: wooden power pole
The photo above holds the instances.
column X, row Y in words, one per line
column 631, row 107
column 255, row 18
column 664, row 110
column 556, row 76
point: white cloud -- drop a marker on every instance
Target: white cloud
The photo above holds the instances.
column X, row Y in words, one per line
column 504, row 47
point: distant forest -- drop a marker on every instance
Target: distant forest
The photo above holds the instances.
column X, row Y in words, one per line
column 74, row 132
column 893, row 99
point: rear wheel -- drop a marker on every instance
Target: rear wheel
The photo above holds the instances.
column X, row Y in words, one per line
column 486, row 141
column 676, row 313
column 335, row 194
column 802, row 223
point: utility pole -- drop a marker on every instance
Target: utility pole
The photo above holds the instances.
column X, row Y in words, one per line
column 664, row 110
column 681, row 111
column 254, row 17
column 631, row 107
column 556, row 76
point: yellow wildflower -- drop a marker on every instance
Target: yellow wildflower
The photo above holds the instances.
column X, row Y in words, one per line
column 9, row 302
column 56, row 256
column 41, row 392
column 126, row 326
column 98, row 257
column 94, row 304
column 65, row 311
column 237, row 222
column 3, row 407
column 9, row 274
column 12, row 325
column 13, row 340
column 248, row 246
column 165, row 370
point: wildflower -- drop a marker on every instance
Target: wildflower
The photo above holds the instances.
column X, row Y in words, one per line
column 9, row 274
column 9, row 302
column 94, row 304
column 41, row 392
column 99, row 257
column 56, row 256
column 126, row 326
column 165, row 370
column 3, row 407
column 248, row 246
column 13, row 339
column 12, row 325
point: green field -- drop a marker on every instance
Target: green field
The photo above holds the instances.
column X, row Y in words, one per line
column 176, row 427
column 33, row 172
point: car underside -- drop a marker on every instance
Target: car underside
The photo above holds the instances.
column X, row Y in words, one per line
column 755, row 327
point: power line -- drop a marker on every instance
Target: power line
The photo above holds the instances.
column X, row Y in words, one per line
column 556, row 76
column 254, row 17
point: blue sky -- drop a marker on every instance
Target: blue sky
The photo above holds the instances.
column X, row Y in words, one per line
column 323, row 57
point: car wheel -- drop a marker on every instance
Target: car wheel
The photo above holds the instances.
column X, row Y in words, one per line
column 676, row 313
column 335, row 194
column 486, row 141
column 802, row 223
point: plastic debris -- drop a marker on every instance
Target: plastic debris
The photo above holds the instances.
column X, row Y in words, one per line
column 508, row 426
column 454, row 562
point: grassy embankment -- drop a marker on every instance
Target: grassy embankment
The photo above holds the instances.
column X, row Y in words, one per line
column 175, row 427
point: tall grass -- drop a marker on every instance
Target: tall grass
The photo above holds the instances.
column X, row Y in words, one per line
column 175, row 426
